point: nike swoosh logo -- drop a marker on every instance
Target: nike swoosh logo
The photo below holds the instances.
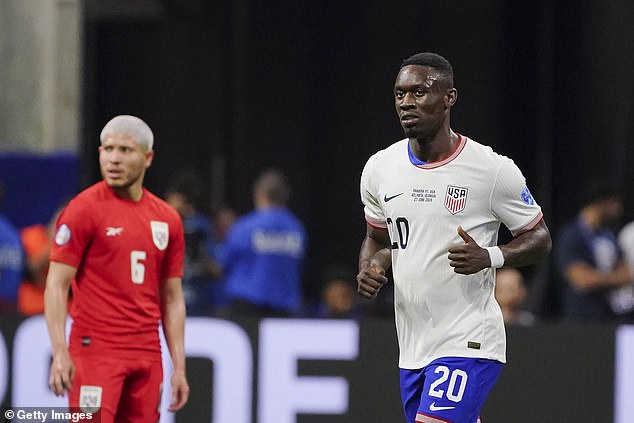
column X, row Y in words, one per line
column 386, row 198
column 434, row 407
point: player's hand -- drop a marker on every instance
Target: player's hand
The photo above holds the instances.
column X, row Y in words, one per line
column 62, row 373
column 370, row 280
column 468, row 258
column 180, row 391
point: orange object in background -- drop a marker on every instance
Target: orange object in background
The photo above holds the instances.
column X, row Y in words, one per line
column 36, row 243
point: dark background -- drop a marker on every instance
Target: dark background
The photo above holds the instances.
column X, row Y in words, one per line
column 233, row 87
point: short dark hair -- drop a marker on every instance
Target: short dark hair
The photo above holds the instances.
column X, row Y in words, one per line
column 187, row 183
column 598, row 189
column 273, row 185
column 432, row 60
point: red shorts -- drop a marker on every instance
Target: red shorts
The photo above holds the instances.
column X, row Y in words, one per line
column 125, row 390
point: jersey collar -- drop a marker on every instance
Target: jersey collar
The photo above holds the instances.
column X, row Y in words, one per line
column 462, row 141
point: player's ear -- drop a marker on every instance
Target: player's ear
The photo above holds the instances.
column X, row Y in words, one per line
column 450, row 97
column 149, row 155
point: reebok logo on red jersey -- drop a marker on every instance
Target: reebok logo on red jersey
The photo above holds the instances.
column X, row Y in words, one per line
column 110, row 231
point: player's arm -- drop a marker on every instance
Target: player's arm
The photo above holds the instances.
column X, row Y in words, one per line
column 374, row 260
column 55, row 309
column 173, row 318
column 586, row 278
column 526, row 248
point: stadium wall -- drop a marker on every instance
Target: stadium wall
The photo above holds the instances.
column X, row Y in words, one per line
column 317, row 371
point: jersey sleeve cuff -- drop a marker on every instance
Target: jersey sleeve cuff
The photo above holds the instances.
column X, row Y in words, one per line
column 65, row 259
column 375, row 223
column 530, row 225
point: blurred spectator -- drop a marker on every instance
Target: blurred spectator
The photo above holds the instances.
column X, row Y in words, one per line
column 263, row 254
column 511, row 294
column 37, row 241
column 222, row 220
column 338, row 294
column 184, row 195
column 11, row 262
column 589, row 260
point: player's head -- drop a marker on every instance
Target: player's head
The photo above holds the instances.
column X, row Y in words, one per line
column 125, row 153
column 424, row 94
column 271, row 188
column 434, row 61
column 338, row 290
column 184, row 193
column 604, row 198
column 132, row 126
column 510, row 292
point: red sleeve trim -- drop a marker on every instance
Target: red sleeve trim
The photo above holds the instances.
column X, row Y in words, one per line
column 375, row 225
column 530, row 225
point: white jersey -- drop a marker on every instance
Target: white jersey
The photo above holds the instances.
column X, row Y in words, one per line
column 438, row 312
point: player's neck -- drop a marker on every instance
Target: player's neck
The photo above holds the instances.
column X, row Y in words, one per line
column 263, row 203
column 132, row 193
column 435, row 148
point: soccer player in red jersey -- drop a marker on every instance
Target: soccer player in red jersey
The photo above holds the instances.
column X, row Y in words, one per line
column 122, row 249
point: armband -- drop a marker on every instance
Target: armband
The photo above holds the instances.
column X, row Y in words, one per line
column 496, row 256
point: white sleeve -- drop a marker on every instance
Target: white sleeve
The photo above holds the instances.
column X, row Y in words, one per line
column 626, row 243
column 369, row 196
column 512, row 202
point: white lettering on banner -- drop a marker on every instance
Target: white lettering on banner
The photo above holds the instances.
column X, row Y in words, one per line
column 283, row 342
column 283, row 243
column 4, row 369
column 228, row 346
column 31, row 364
column 282, row 394
column 623, row 371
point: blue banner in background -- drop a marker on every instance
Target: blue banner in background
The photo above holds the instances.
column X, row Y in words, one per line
column 35, row 184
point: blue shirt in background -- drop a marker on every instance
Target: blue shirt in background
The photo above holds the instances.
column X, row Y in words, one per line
column 262, row 259
column 597, row 248
column 11, row 262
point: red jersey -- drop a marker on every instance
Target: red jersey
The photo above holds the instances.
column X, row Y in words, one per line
column 122, row 250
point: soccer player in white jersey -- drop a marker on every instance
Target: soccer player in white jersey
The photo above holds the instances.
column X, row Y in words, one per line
column 433, row 203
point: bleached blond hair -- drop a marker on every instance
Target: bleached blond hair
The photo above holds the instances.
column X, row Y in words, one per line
column 132, row 126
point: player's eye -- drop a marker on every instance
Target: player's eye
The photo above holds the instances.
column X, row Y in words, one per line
column 399, row 94
column 420, row 92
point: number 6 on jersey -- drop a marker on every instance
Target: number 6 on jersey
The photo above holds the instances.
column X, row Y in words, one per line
column 137, row 268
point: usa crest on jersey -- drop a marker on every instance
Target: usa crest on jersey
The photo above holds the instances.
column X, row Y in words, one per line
column 160, row 234
column 455, row 199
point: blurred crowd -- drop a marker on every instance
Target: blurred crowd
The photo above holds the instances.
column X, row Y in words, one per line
column 251, row 265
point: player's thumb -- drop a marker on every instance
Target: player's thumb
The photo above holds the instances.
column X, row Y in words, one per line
column 464, row 235
column 378, row 269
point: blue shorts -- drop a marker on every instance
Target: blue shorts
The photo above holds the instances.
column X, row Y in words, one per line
column 448, row 390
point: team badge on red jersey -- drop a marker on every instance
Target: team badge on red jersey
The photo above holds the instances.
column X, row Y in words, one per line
column 456, row 199
column 63, row 235
column 160, row 234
